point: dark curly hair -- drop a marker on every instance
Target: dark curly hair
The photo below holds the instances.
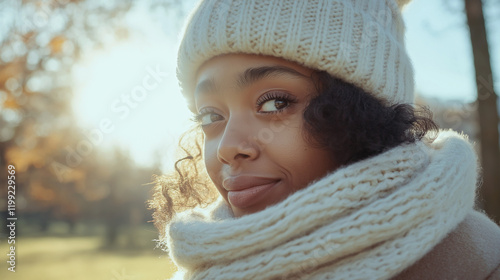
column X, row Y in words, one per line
column 354, row 125
column 344, row 119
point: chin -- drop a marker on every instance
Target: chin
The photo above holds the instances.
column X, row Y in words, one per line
column 238, row 212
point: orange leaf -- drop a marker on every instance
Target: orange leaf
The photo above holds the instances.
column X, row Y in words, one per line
column 56, row 44
column 12, row 69
column 10, row 103
column 39, row 192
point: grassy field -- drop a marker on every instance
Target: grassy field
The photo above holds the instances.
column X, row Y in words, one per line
column 78, row 258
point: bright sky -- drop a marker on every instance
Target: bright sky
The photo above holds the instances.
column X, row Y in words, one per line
column 438, row 43
column 111, row 83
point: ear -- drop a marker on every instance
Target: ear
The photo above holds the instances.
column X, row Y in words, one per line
column 402, row 3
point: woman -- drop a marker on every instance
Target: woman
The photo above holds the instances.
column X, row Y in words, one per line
column 322, row 168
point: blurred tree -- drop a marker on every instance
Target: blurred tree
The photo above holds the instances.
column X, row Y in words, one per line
column 487, row 109
column 40, row 41
column 456, row 115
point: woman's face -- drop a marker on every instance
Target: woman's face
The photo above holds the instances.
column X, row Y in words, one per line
column 251, row 111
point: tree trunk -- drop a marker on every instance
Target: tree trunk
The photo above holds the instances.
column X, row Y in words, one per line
column 487, row 109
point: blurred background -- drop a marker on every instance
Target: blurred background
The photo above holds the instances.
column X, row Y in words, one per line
column 90, row 110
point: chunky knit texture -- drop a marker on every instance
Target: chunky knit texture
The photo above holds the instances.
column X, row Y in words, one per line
column 358, row 41
column 369, row 220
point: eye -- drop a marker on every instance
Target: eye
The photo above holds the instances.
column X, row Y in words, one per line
column 208, row 117
column 275, row 101
column 274, row 105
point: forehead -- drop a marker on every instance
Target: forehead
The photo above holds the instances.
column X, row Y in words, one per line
column 235, row 64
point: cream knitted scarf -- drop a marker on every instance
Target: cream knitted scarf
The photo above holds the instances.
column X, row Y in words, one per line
column 368, row 220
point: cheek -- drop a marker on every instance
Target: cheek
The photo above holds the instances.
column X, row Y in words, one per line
column 318, row 164
column 307, row 166
column 303, row 162
column 288, row 144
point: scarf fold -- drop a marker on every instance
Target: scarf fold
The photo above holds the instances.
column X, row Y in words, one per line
column 368, row 220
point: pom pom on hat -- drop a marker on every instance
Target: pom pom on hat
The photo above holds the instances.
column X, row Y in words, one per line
column 358, row 41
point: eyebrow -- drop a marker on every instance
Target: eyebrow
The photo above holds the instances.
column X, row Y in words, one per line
column 251, row 75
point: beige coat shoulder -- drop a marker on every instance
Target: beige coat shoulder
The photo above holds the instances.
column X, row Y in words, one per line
column 471, row 251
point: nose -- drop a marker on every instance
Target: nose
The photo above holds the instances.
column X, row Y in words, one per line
column 238, row 143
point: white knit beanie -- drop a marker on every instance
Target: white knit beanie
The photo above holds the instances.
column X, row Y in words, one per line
column 358, row 41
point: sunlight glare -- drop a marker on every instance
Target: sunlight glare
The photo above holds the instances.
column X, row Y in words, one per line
column 132, row 88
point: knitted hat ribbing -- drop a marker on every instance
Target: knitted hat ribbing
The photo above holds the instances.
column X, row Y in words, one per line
column 358, row 41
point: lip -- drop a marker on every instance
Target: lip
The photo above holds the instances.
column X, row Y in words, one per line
column 245, row 191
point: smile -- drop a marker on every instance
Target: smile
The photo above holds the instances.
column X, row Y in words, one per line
column 245, row 191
